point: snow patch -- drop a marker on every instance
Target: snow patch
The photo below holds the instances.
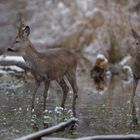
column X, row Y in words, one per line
column 61, row 5
column 90, row 14
column 125, row 60
column 101, row 56
column 12, row 58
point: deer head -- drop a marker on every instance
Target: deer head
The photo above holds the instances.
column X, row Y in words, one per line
column 23, row 32
column 137, row 39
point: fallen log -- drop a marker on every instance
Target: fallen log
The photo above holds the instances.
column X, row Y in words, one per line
column 112, row 137
column 101, row 137
column 48, row 131
column 14, row 63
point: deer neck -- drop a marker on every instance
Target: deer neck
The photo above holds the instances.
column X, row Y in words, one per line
column 31, row 54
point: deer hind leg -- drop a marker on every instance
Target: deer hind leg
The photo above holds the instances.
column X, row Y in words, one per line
column 71, row 76
column 65, row 89
column 46, row 84
column 135, row 83
column 34, row 93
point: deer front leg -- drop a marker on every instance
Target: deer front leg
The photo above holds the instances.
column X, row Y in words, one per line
column 135, row 82
column 47, row 83
column 74, row 101
column 34, row 93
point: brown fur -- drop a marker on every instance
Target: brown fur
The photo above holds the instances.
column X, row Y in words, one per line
column 53, row 64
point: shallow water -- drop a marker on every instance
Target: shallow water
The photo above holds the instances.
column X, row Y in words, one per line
column 107, row 113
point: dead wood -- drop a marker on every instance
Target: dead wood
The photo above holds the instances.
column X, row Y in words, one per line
column 14, row 63
column 49, row 131
column 102, row 137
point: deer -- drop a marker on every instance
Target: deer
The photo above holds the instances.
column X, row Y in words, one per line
column 136, row 63
column 53, row 64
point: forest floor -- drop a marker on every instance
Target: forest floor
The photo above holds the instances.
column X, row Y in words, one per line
column 107, row 112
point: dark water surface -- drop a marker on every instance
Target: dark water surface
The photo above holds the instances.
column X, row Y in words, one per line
column 98, row 113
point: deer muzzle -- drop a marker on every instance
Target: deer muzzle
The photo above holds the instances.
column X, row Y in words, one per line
column 10, row 50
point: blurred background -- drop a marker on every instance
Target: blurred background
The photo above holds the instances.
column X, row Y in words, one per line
column 88, row 27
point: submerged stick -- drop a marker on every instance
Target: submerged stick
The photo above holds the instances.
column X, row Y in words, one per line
column 48, row 131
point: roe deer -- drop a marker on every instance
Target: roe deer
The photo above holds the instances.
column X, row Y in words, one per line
column 54, row 64
column 136, row 63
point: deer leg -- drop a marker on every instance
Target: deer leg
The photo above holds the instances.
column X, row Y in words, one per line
column 47, row 83
column 72, row 80
column 34, row 93
column 135, row 82
column 65, row 89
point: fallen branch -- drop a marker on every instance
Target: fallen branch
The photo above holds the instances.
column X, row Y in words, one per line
column 111, row 137
column 48, row 131
column 16, row 63
column 102, row 137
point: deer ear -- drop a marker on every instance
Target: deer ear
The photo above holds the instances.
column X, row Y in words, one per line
column 20, row 28
column 27, row 30
column 135, row 34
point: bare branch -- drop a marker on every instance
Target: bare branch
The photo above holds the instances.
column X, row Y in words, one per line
column 46, row 132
